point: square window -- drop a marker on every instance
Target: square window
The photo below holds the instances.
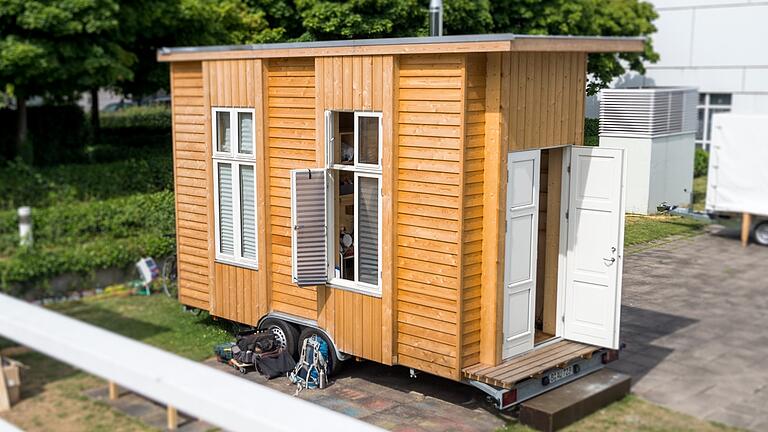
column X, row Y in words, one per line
column 368, row 140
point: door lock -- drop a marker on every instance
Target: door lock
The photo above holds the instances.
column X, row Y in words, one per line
column 609, row 261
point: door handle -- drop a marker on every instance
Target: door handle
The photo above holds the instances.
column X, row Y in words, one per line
column 609, row 261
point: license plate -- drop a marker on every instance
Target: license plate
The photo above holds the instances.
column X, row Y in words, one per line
column 560, row 374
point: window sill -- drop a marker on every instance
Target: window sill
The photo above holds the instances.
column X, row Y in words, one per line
column 231, row 262
column 362, row 291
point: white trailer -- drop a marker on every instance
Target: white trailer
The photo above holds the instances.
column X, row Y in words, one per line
column 737, row 183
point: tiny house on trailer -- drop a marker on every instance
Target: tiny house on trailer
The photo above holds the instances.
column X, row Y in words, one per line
column 423, row 202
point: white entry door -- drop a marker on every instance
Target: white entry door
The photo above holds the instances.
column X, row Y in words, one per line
column 595, row 246
column 522, row 217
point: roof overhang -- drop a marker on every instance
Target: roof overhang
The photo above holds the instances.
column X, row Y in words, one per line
column 415, row 45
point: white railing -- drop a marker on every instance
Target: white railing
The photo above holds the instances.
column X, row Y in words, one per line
column 224, row 400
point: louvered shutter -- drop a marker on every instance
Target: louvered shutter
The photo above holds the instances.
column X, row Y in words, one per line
column 248, row 211
column 308, row 217
column 245, row 128
column 368, row 230
column 226, row 210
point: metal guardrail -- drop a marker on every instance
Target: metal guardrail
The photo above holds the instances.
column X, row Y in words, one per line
column 224, row 400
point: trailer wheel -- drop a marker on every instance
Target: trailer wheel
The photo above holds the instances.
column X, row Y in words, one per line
column 285, row 333
column 334, row 364
column 761, row 233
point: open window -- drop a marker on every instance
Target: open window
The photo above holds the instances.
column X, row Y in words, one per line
column 234, row 177
column 336, row 211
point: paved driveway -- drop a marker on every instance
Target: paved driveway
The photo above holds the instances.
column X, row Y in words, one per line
column 695, row 321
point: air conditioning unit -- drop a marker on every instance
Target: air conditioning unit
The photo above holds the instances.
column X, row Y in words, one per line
column 656, row 127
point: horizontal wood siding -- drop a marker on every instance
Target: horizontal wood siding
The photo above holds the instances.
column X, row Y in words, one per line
column 291, row 145
column 191, row 175
column 429, row 178
column 359, row 83
column 474, row 148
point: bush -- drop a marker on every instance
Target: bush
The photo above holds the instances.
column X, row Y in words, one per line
column 591, row 131
column 138, row 117
column 700, row 163
column 84, row 237
column 58, row 133
column 22, row 185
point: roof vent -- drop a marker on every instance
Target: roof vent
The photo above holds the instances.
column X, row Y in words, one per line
column 647, row 112
column 435, row 17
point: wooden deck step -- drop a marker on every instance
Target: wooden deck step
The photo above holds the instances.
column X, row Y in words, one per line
column 529, row 364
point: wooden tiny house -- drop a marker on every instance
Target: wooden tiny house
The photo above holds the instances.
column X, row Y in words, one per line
column 421, row 202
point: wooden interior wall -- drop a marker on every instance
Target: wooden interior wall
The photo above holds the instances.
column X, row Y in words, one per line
column 541, row 246
column 356, row 321
column 238, row 294
column 552, row 239
column 472, row 235
column 429, row 226
column 291, row 144
column 191, row 174
column 539, row 98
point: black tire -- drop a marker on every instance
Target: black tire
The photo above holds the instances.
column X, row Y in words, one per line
column 761, row 233
column 334, row 364
column 285, row 332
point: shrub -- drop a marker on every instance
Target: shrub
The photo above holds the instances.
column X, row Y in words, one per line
column 57, row 133
column 142, row 117
column 591, row 131
column 83, row 237
column 700, row 163
column 21, row 184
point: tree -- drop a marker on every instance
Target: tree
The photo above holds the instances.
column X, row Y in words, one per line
column 584, row 17
column 328, row 19
column 57, row 49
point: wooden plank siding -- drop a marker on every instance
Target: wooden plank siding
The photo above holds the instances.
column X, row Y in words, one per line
column 291, row 144
column 238, row 294
column 355, row 320
column 541, row 104
column 191, row 176
column 429, row 206
column 472, row 233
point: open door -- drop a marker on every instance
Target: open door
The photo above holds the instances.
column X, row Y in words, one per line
column 522, row 219
column 308, row 218
column 595, row 246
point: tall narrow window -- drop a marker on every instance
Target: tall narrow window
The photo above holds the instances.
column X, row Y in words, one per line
column 235, row 186
column 353, row 144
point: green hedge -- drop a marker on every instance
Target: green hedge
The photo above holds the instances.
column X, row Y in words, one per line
column 84, row 237
column 591, row 131
column 22, row 185
column 700, row 163
column 142, row 117
column 58, row 133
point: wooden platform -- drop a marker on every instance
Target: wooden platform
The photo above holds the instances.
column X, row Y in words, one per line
column 529, row 364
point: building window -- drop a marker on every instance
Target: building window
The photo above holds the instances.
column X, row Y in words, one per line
column 709, row 104
column 234, row 177
column 353, row 143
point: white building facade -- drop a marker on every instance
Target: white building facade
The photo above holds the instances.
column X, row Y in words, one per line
column 718, row 46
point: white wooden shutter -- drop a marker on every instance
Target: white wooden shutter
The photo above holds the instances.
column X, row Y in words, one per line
column 226, row 210
column 248, row 211
column 308, row 217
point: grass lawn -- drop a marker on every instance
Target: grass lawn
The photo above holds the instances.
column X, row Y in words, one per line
column 640, row 229
column 699, row 193
column 53, row 391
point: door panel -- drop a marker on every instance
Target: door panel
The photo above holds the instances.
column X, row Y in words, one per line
column 595, row 246
column 522, row 217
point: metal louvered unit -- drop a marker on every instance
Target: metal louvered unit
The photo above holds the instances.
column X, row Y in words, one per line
column 308, row 217
column 647, row 112
column 656, row 127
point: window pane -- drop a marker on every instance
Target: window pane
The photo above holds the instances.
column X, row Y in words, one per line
column 224, row 134
column 245, row 128
column 368, row 152
column 709, row 124
column 226, row 212
column 700, row 127
column 368, row 230
column 248, row 211
column 719, row 99
column 702, row 98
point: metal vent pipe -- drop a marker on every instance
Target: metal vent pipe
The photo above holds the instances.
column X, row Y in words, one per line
column 435, row 17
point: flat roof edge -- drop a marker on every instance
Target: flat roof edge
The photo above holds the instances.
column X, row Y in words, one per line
column 495, row 42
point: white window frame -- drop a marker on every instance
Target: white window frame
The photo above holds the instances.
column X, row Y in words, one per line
column 359, row 170
column 707, row 106
column 237, row 160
